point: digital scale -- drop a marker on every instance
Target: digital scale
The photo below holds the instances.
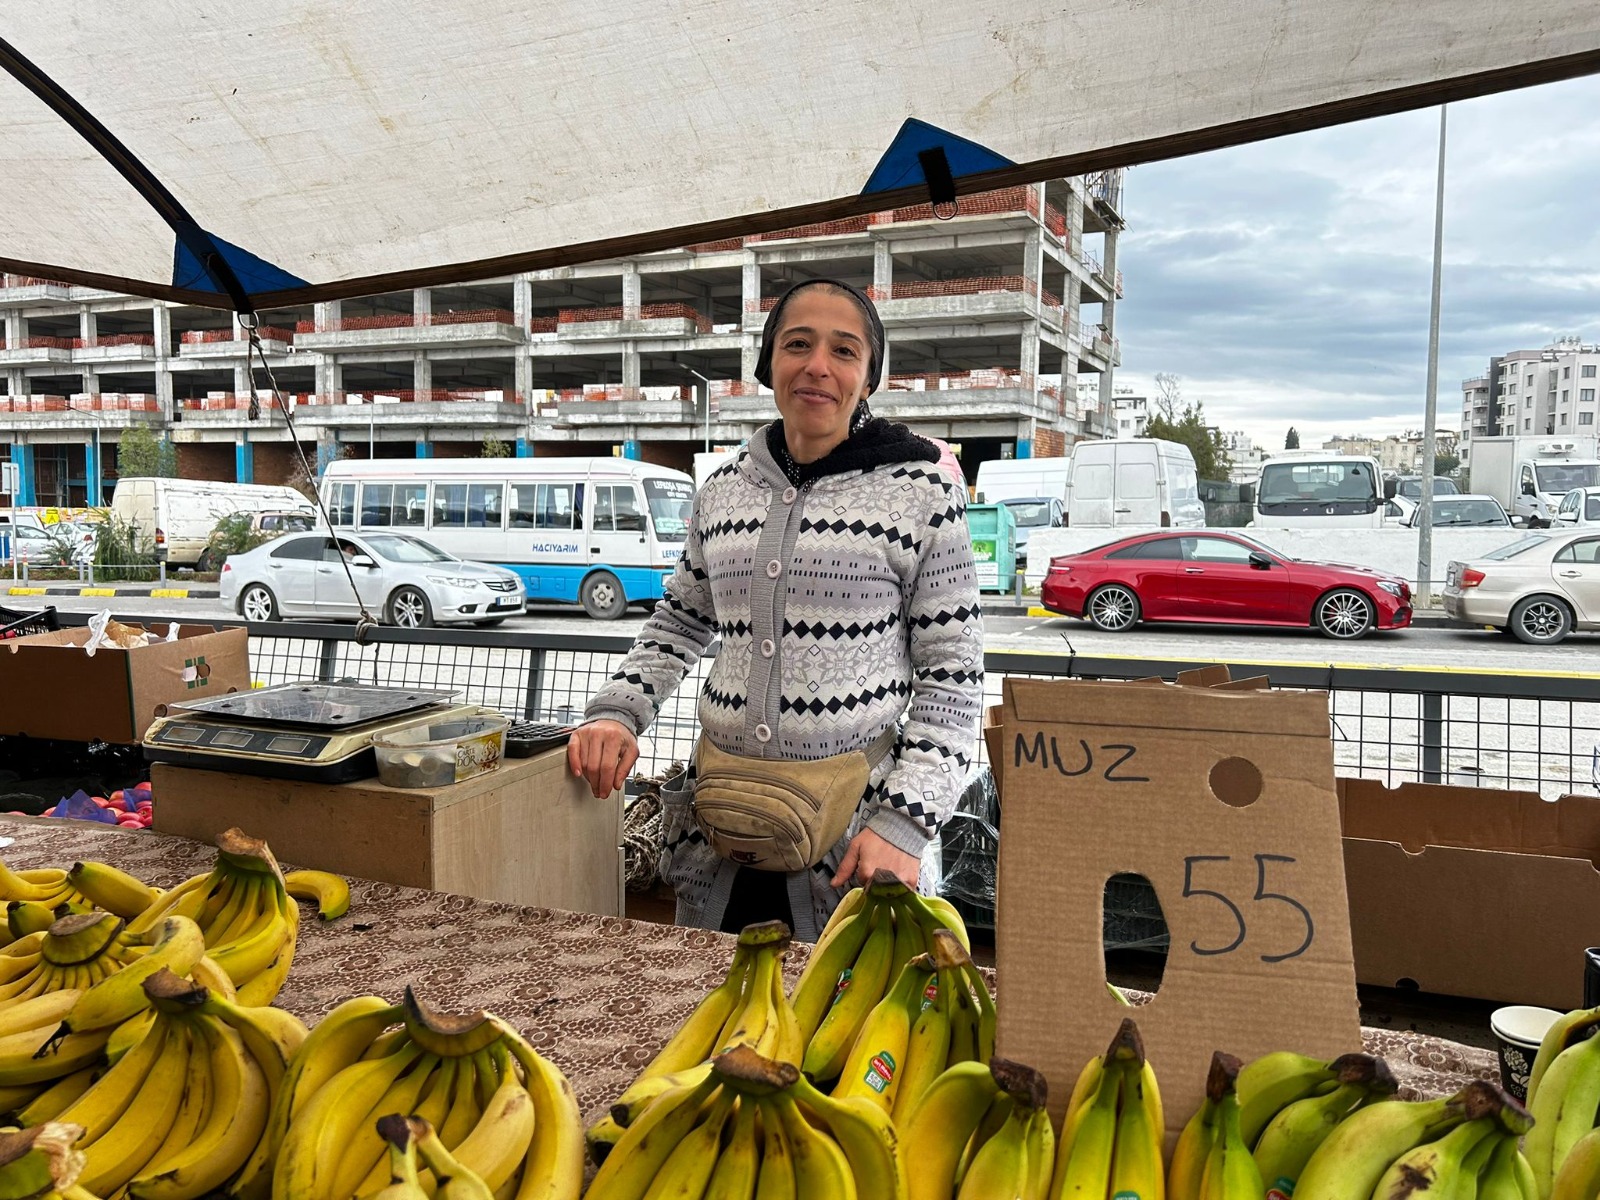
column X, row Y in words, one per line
column 314, row 732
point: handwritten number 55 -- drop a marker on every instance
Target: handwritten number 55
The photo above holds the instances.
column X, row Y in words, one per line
column 1261, row 894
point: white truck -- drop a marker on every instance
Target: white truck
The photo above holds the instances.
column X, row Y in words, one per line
column 1319, row 489
column 1529, row 475
column 1002, row 479
column 1133, row 482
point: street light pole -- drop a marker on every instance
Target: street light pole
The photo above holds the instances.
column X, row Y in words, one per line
column 1430, row 411
column 707, row 384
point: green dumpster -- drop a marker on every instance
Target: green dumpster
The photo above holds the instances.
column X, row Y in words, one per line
column 994, row 546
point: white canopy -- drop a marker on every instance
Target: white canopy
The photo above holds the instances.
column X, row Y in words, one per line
column 354, row 147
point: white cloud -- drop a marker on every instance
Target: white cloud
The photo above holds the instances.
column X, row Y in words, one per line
column 1287, row 282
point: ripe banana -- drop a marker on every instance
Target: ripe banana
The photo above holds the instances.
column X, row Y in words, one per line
column 861, row 986
column 177, row 945
column 128, row 1142
column 1084, row 1153
column 939, row 1126
column 739, row 1164
column 1136, row 1167
column 1563, row 1109
column 928, row 1046
column 1230, row 1173
column 456, row 1181
column 876, row 1060
column 821, row 1170
column 695, row 1040
column 403, row 1181
column 554, row 1166
column 48, row 886
column 499, row 1142
column 1041, row 1147
column 330, row 892
column 819, row 981
column 642, row 1093
column 688, row 1168
column 867, row 1136
column 115, row 891
column 1001, row 1167
column 633, row 1162
column 363, row 1164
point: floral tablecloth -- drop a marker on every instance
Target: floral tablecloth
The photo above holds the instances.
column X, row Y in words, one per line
column 598, row 995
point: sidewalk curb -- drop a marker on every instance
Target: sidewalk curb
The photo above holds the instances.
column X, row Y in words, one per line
column 155, row 593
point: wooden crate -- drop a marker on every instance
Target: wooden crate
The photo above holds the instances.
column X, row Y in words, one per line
column 528, row 833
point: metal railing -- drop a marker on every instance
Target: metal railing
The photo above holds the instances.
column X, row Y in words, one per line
column 1494, row 729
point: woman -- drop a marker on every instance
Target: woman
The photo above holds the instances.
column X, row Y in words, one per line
column 832, row 558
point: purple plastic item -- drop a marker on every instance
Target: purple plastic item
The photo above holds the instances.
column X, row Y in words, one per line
column 80, row 807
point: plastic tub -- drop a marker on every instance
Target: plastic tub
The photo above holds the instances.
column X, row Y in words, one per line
column 440, row 751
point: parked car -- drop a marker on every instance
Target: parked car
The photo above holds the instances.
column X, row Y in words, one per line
column 1034, row 512
column 1460, row 510
column 1397, row 510
column 1410, row 486
column 400, row 579
column 1580, row 506
column 1217, row 577
column 1539, row 588
column 263, row 527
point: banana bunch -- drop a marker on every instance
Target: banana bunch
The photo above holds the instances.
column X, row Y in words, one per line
column 873, row 933
column 41, row 1163
column 1563, row 1096
column 753, row 1126
column 182, row 1109
column 505, row 1116
column 48, row 886
column 1458, row 1147
column 245, row 913
column 748, row 1007
column 1112, row 1133
column 981, row 1131
column 1212, row 1159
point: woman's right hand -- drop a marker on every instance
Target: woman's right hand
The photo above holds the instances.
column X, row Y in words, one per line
column 602, row 752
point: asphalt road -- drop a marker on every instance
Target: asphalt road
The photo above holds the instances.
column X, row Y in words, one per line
column 1431, row 644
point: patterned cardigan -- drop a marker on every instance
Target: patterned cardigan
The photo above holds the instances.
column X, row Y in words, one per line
column 842, row 606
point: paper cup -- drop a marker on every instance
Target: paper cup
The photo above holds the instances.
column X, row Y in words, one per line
column 1518, row 1030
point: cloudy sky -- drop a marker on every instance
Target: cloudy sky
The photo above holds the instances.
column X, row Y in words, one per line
column 1287, row 282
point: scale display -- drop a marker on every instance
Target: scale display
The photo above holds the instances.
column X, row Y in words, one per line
column 316, row 732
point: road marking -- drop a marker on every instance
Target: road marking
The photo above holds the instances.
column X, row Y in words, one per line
column 1036, row 611
column 97, row 591
column 169, row 593
column 25, row 591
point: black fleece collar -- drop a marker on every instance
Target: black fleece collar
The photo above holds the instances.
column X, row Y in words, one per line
column 877, row 443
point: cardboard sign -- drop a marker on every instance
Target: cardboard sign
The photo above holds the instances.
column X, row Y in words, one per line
column 1223, row 798
column 1472, row 891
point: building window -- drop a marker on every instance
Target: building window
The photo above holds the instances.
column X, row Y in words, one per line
column 1528, row 403
column 1586, row 418
column 1566, row 394
column 1530, row 380
column 1511, row 389
column 1585, row 394
column 1563, row 420
column 1587, row 371
column 1527, row 424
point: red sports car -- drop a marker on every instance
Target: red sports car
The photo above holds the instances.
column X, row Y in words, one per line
column 1226, row 578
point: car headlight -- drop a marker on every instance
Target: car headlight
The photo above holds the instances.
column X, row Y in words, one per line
column 454, row 581
column 1393, row 588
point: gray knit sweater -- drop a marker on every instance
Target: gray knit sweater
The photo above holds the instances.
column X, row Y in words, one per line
column 842, row 606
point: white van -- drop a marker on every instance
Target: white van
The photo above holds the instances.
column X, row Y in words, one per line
column 1134, row 482
column 1002, row 479
column 178, row 515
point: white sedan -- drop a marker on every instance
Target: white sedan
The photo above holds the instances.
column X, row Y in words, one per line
column 402, row 580
column 1580, row 506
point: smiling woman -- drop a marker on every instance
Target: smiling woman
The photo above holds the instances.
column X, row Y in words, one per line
column 831, row 555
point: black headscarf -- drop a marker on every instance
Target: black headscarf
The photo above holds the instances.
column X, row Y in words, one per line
column 869, row 311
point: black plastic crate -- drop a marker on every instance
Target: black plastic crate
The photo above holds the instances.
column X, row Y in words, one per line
column 18, row 624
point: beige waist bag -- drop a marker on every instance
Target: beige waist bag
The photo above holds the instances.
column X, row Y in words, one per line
column 780, row 814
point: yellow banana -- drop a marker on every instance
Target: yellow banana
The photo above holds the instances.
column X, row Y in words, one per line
column 41, row 1011
column 789, row 1044
column 41, row 1056
column 739, row 1163
column 928, row 1047
column 110, row 889
column 127, row 1144
column 1000, row 1167
column 199, row 1089
column 1231, row 1173
column 103, row 1105
column 404, row 1183
column 1136, row 1167
column 775, row 1180
column 187, row 900
column 1291, row 1137
column 499, row 1142
column 330, row 892
column 860, row 988
column 872, row 1070
column 554, row 1166
column 601, row 1138
column 236, row 915
column 271, row 1035
column 633, row 1162
column 819, row 981
column 252, row 953
column 1351, row 1160
column 456, row 1182
column 940, row 1124
column 364, row 1163
column 47, row 1104
column 643, row 1093
column 47, row 886
column 1041, row 1147
column 909, row 940
column 821, row 1170
column 854, row 900
column 986, row 1013
column 757, row 1026
column 128, row 1035
column 696, row 1039
column 867, row 1136
column 465, row 1107
column 688, row 1168
column 1084, row 1154
column 177, row 946
column 28, row 916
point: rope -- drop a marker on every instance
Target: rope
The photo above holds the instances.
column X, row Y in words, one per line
column 249, row 322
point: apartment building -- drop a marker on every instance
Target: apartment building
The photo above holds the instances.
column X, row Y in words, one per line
column 1540, row 392
column 1000, row 321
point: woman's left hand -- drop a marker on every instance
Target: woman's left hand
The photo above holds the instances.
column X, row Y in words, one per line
column 868, row 854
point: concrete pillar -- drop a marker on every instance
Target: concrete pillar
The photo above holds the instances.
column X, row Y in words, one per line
column 326, row 316
column 421, row 375
column 27, row 493
column 161, row 327
column 16, row 329
column 422, row 307
column 630, row 368
column 330, row 376
column 750, row 283
column 244, row 461
column 522, row 364
column 1108, row 312
column 91, row 382
column 1033, row 258
column 241, row 379
column 88, row 326
column 632, row 292
column 1029, row 356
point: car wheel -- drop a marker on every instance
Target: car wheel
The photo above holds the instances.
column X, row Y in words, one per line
column 1540, row 620
column 207, row 561
column 409, row 609
column 258, row 604
column 1344, row 613
column 1113, row 608
column 603, row 597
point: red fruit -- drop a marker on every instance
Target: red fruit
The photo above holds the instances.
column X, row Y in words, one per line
column 145, row 805
column 117, row 795
column 130, row 824
column 145, row 786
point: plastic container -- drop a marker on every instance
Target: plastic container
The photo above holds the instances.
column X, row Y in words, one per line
column 438, row 751
column 994, row 545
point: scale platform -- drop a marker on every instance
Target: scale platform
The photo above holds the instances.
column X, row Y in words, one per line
column 314, row 732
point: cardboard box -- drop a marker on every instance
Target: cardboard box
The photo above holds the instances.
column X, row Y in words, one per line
column 1223, row 798
column 1472, row 891
column 528, row 833
column 50, row 688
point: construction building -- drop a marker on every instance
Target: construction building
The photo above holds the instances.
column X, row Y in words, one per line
column 1538, row 392
column 1000, row 323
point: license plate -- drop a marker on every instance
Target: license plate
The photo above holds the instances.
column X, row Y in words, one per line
column 509, row 602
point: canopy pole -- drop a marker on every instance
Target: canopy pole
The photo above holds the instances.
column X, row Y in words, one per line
column 1430, row 409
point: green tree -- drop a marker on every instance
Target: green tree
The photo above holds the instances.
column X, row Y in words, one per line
column 141, row 455
column 493, row 447
column 1291, row 440
column 1446, row 464
column 1210, row 455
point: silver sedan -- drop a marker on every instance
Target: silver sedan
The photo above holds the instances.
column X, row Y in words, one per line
column 401, row 580
column 1539, row 588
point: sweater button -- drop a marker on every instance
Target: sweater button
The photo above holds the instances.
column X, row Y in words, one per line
column 768, row 649
column 789, row 494
column 763, row 734
column 774, row 569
